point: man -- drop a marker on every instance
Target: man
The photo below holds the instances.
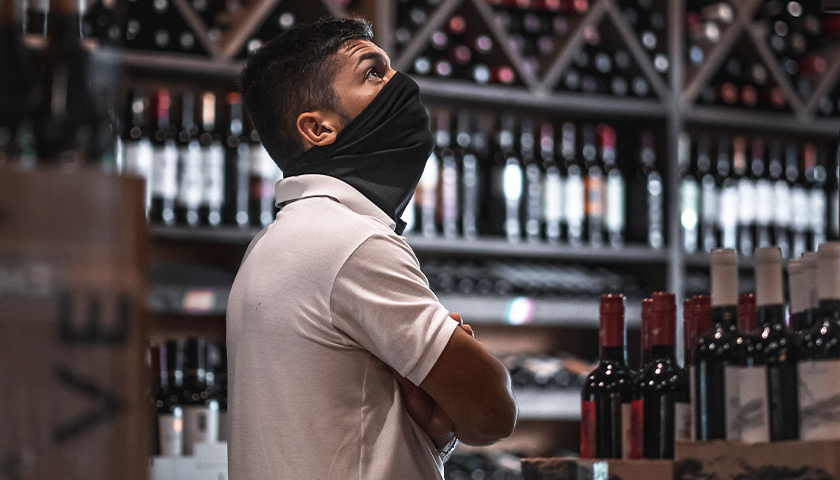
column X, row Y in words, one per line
column 342, row 363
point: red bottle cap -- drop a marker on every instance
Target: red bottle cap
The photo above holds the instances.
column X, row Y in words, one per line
column 663, row 324
column 646, row 324
column 747, row 318
column 689, row 324
column 702, row 305
column 611, row 332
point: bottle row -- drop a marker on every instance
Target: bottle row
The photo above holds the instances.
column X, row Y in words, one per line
column 188, row 394
column 538, row 181
column 742, row 193
column 749, row 375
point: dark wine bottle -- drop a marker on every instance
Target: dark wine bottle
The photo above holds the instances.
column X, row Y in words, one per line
column 776, row 346
column 167, row 366
column 818, row 387
column 139, row 155
column 763, row 196
column 615, row 215
column 607, row 390
column 664, row 385
column 534, row 180
column 15, row 84
column 575, row 188
column 816, row 180
column 781, row 198
column 213, row 155
column 595, row 188
column 728, row 194
column 470, row 175
column 646, row 191
column 697, row 321
column 201, row 412
column 717, row 348
column 637, row 411
column 798, row 198
column 510, row 174
column 190, row 165
column 164, row 162
column 237, row 163
column 800, row 313
column 741, row 167
column 449, row 178
column 710, row 210
column 553, row 195
column 689, row 196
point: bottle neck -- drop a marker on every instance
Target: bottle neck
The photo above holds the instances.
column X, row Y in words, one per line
column 771, row 317
column 614, row 354
column 830, row 308
column 725, row 317
column 662, row 352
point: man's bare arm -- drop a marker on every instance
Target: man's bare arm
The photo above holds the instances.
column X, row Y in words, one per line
column 473, row 388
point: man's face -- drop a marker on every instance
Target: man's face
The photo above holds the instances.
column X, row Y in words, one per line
column 362, row 70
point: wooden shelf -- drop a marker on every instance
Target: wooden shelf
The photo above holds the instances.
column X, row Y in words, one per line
column 762, row 120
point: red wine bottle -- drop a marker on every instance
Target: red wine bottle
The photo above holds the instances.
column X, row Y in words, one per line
column 607, row 390
column 213, row 156
column 637, row 433
column 167, row 370
column 190, row 165
column 201, row 411
column 697, row 320
column 664, row 385
column 595, row 186
column 717, row 347
column 776, row 346
column 575, row 191
column 553, row 200
column 164, row 163
column 237, row 162
column 747, row 314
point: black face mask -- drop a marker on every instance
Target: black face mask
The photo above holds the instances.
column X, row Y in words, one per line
column 382, row 152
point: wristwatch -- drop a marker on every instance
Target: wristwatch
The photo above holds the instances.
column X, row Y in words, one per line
column 447, row 449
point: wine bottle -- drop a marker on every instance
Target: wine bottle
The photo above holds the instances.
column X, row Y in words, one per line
column 511, row 177
column 15, row 84
column 763, row 196
column 554, row 210
column 689, row 196
column 222, row 381
column 449, row 192
column 801, row 318
column 201, row 413
column 818, row 388
column 470, row 175
column 237, row 164
column 615, row 201
column 815, row 178
column 648, row 191
column 717, row 347
column 164, row 162
column 728, row 195
column 168, row 361
column 594, row 182
column 427, row 195
column 776, row 346
column 575, row 188
column 263, row 174
column 607, row 390
column 798, row 198
column 697, row 321
column 781, row 198
column 834, row 210
column 746, row 196
column 139, row 155
column 808, row 337
column 710, row 209
column 637, row 411
column 213, row 155
column 534, row 180
column 747, row 314
column 664, row 385
column 191, row 165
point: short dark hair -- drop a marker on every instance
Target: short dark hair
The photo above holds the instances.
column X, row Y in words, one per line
column 293, row 74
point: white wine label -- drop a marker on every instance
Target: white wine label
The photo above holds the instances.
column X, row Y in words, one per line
column 450, row 196
column 729, row 215
column 799, row 205
column 192, row 182
column 512, row 188
column 166, row 170
column 747, row 410
column 171, row 433
column 626, row 430
column 471, row 203
column 711, row 200
column 574, row 199
column 819, row 400
column 615, row 202
column 782, row 204
column 746, row 201
column 682, row 421
column 214, row 179
column 765, row 202
column 428, row 198
column 553, row 196
column 139, row 158
column 818, row 210
column 201, row 425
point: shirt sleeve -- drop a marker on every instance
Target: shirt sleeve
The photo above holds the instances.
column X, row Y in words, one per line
column 382, row 301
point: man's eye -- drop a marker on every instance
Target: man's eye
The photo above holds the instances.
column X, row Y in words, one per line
column 371, row 73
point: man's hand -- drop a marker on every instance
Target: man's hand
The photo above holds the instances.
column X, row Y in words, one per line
column 425, row 411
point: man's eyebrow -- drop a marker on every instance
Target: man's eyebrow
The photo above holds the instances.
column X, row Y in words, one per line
column 369, row 56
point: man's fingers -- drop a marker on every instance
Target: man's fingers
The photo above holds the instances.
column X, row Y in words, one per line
column 456, row 317
column 468, row 329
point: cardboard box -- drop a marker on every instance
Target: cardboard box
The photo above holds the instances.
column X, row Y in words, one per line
column 596, row 469
column 722, row 460
column 72, row 326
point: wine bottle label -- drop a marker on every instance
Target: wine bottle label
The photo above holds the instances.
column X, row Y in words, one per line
column 192, row 181
column 615, row 202
column 689, row 213
column 655, row 211
column 626, row 429
column 819, row 399
column 764, row 202
column 449, row 190
column 139, row 158
column 428, row 198
column 243, row 166
column 782, row 204
column 799, row 207
column 575, row 200
column 637, row 428
column 201, row 425
column 214, row 176
column 534, row 200
column 746, row 202
column 554, row 200
column 512, row 190
column 711, row 200
column 729, row 215
column 682, row 421
column 747, row 409
column 469, row 217
column 818, row 211
column 594, row 195
column 587, row 429
column 165, row 171
column 171, row 433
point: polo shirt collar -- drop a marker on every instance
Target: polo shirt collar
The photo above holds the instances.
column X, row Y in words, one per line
column 313, row 185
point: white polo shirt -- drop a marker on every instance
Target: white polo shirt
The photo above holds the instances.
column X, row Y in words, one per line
column 327, row 298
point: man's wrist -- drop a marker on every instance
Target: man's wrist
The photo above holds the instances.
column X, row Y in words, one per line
column 450, row 447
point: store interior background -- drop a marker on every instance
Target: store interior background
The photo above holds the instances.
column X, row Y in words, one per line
column 688, row 72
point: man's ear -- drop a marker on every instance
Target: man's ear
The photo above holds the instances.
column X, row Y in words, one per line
column 318, row 128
